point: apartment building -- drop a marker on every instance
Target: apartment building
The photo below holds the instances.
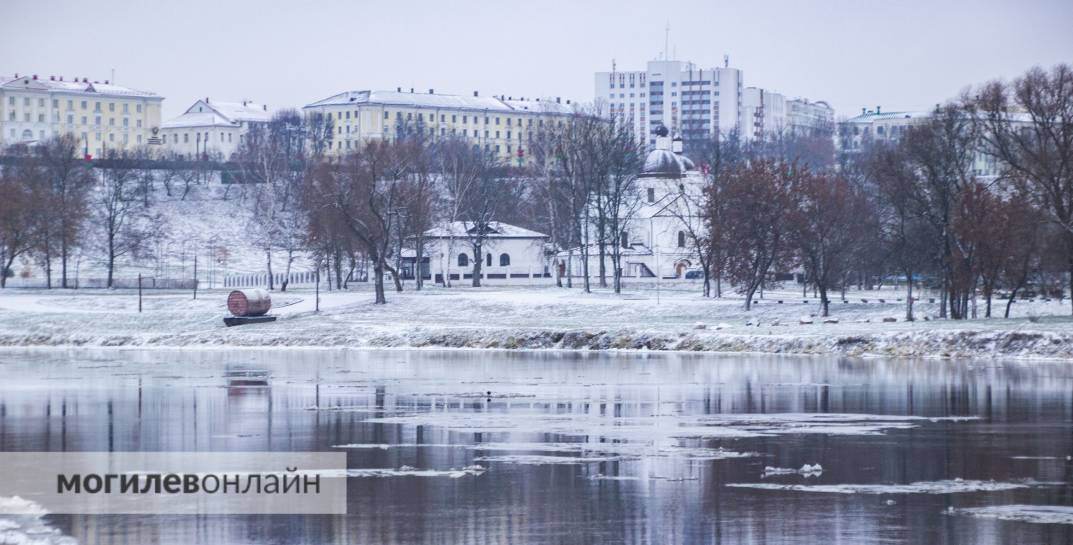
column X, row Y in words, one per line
column 500, row 125
column 102, row 115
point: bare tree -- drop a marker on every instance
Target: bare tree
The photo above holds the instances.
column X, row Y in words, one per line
column 1028, row 126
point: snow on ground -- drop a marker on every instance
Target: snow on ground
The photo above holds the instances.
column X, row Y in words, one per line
column 22, row 522
column 674, row 318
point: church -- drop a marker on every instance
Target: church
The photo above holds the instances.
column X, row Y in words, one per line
column 663, row 217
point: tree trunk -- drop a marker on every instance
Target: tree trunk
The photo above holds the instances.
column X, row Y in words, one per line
column 111, row 258
column 909, row 297
column 63, row 264
column 268, row 261
column 478, row 261
column 1009, row 303
column 378, row 281
column 824, row 302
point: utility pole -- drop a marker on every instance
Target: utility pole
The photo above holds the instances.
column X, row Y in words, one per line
column 195, row 275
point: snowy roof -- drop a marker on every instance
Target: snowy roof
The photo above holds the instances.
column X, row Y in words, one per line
column 33, row 83
column 870, row 117
column 441, row 101
column 662, row 163
column 498, row 230
column 206, row 119
column 219, row 114
column 237, row 111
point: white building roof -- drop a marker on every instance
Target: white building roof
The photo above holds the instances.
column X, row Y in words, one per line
column 442, row 101
column 459, row 229
column 219, row 114
column 80, row 87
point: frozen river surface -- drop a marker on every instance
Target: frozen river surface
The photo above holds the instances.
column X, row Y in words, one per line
column 515, row 447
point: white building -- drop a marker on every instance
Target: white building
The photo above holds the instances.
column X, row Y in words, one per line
column 690, row 101
column 510, row 253
column 101, row 115
column 656, row 240
column 875, row 125
column 212, row 127
column 695, row 103
column 807, row 118
column 501, row 125
column 763, row 114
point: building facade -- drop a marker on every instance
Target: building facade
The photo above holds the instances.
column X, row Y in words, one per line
column 510, row 254
column 101, row 115
column 212, row 128
column 698, row 103
column 500, row 125
column 690, row 101
column 808, row 118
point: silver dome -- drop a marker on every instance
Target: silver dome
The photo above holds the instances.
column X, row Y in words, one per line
column 663, row 163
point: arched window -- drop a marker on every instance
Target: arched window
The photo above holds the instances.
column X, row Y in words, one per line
column 463, row 260
column 504, row 260
column 681, row 239
column 488, row 259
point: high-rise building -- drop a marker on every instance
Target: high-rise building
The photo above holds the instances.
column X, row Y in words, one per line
column 691, row 102
column 101, row 115
column 697, row 103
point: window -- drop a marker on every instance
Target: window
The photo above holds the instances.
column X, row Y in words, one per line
column 504, row 260
column 624, row 238
column 681, row 239
column 488, row 259
column 651, row 195
column 138, row 108
column 463, row 260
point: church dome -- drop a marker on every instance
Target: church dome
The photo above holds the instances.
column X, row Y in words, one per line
column 662, row 163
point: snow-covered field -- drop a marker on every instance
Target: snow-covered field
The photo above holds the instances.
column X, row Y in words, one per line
column 536, row 318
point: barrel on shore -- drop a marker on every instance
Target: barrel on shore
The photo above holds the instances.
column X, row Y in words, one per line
column 251, row 302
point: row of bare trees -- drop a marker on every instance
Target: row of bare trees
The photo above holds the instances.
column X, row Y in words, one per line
column 923, row 207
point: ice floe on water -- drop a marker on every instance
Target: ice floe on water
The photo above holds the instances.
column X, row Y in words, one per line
column 404, row 471
column 544, row 459
column 22, row 523
column 1039, row 514
column 948, row 486
column 665, row 427
column 807, row 470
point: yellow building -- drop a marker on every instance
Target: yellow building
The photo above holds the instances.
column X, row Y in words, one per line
column 502, row 125
column 103, row 116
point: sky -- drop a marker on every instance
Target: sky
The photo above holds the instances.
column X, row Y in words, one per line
column 901, row 55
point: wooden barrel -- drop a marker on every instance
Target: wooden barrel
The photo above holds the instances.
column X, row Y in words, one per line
column 251, row 302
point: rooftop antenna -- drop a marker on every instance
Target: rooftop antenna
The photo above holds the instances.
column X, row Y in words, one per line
column 666, row 39
column 726, row 60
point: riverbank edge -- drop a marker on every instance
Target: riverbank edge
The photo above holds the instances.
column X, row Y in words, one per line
column 1018, row 344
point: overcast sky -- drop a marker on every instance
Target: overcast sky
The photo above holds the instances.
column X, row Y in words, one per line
column 901, row 55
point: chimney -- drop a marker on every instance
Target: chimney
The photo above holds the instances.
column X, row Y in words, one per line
column 106, row 82
column 264, row 107
column 52, row 78
column 411, row 90
column 398, row 89
column 558, row 100
column 206, row 100
column 61, row 78
column 431, row 91
column 864, row 111
column 877, row 109
column 568, row 101
column 35, row 76
column 475, row 93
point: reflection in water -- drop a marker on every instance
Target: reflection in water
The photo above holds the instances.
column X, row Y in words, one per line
column 576, row 448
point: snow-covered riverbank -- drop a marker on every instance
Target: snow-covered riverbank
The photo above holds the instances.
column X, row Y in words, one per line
column 537, row 318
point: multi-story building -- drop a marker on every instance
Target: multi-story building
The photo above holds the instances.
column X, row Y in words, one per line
column 696, row 104
column 691, row 102
column 212, row 128
column 875, row 125
column 102, row 115
column 501, row 125
column 807, row 118
column 763, row 113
